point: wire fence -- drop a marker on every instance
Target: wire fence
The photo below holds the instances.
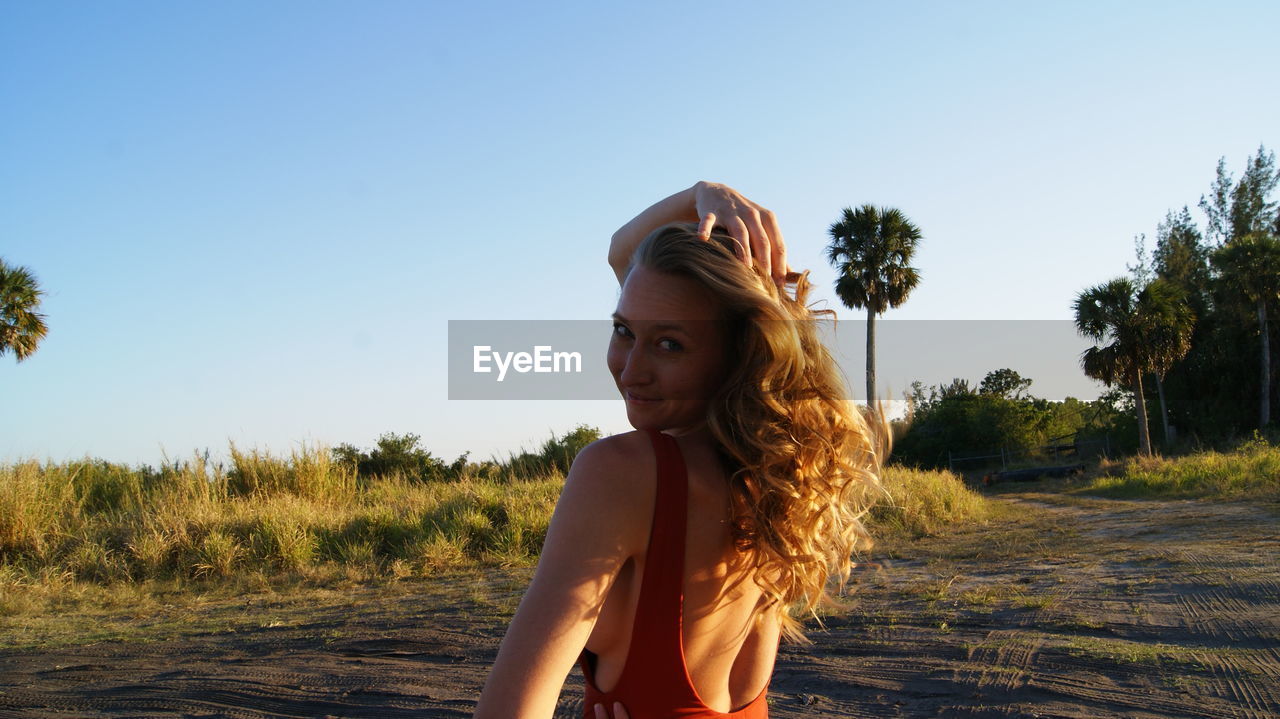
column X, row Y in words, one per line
column 1005, row 459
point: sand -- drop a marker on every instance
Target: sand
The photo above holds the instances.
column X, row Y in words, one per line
column 1067, row 608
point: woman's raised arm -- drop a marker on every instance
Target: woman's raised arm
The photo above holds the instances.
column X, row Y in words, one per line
column 709, row 204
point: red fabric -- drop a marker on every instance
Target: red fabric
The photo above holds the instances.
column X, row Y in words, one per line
column 655, row 682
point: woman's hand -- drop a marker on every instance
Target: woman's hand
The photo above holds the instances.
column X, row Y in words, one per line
column 754, row 227
column 709, row 204
column 619, row 711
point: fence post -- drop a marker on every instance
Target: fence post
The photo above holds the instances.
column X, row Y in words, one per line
column 1004, row 463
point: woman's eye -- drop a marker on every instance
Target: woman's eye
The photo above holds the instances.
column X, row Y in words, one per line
column 621, row 330
column 671, row 345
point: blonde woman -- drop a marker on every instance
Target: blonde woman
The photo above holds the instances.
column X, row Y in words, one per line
column 679, row 554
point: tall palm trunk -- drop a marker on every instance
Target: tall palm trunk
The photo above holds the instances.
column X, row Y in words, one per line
column 1140, row 405
column 1164, row 412
column 1264, row 404
column 871, row 358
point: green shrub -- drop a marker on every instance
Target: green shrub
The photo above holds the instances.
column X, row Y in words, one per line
column 1251, row 471
column 555, row 456
column 397, row 455
column 955, row 419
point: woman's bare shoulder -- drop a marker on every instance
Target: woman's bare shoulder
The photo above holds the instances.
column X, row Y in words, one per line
column 618, row 463
column 616, row 458
column 614, row 479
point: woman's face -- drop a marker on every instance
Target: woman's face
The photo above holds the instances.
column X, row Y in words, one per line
column 667, row 351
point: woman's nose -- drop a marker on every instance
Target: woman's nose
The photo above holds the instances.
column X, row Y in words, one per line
column 635, row 369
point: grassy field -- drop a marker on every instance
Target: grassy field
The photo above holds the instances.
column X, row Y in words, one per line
column 67, row 528
column 1060, row 605
column 1251, row 471
column 145, row 586
column 268, row 520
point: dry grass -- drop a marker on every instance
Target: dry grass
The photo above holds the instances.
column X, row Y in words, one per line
column 74, row 528
column 921, row 503
column 1251, row 471
column 99, row 523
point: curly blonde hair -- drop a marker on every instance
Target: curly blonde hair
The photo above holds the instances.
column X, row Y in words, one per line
column 803, row 460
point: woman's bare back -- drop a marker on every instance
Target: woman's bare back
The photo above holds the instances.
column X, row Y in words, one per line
column 729, row 642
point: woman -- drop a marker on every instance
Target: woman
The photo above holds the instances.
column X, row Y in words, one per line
column 680, row 553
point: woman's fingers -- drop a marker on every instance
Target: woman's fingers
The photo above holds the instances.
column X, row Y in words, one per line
column 755, row 228
column 733, row 225
column 707, row 224
column 761, row 241
column 738, row 230
column 777, row 246
column 619, row 711
column 744, row 226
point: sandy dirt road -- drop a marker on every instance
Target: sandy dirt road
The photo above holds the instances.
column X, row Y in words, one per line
column 1067, row 607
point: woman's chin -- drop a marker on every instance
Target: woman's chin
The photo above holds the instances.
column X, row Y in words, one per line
column 675, row 426
column 641, row 422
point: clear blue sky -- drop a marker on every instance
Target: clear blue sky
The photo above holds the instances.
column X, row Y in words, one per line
column 254, row 220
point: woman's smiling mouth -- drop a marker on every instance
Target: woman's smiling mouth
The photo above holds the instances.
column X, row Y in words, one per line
column 637, row 399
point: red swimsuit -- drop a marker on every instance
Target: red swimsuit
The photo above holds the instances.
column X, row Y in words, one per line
column 655, row 682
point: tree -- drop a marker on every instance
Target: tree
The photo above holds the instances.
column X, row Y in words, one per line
column 871, row 250
column 1181, row 257
column 558, row 453
column 1217, row 206
column 398, row 455
column 1214, row 392
column 1250, row 267
column 1251, row 208
column 953, row 419
column 1170, row 326
column 1146, row 330
column 1004, row 383
column 21, row 327
column 1142, row 270
column 1234, row 211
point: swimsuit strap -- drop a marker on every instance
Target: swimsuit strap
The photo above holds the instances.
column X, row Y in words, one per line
column 656, row 635
column 655, row 680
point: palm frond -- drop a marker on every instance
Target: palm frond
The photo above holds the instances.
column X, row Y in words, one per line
column 21, row 326
column 871, row 249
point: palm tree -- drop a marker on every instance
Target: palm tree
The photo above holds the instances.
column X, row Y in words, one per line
column 1250, row 266
column 1148, row 329
column 871, row 250
column 21, row 327
column 1171, row 322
